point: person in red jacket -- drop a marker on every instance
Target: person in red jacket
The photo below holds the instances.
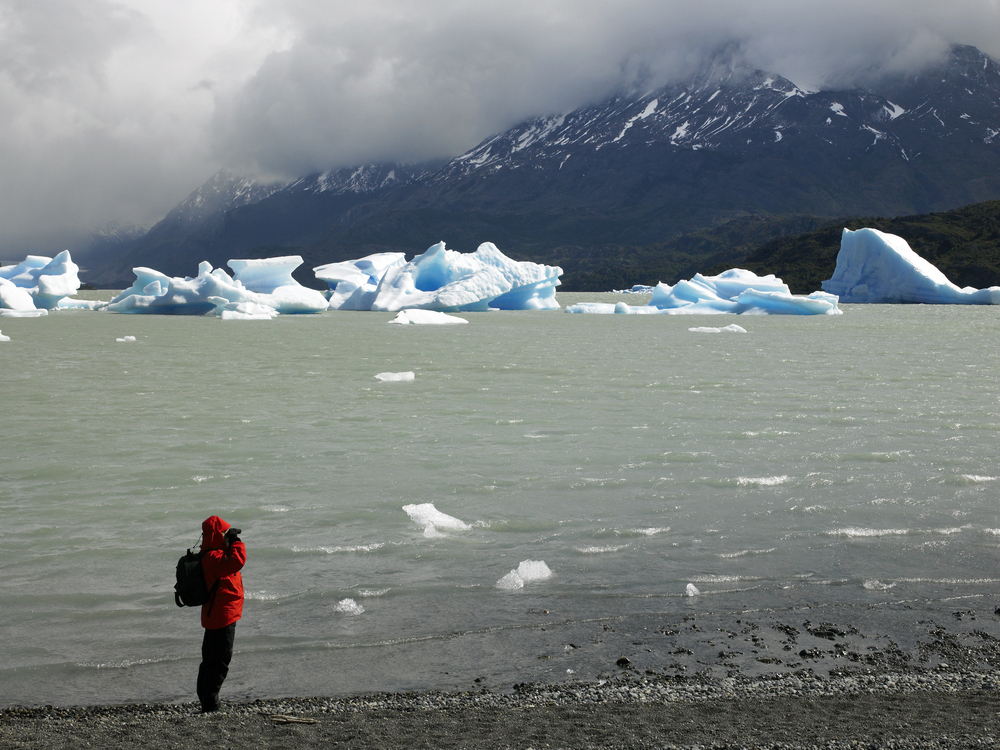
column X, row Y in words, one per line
column 224, row 556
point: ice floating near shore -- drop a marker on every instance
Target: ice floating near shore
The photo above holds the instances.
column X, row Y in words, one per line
column 735, row 291
column 395, row 377
column 442, row 280
column 527, row 572
column 425, row 318
column 692, row 590
column 260, row 288
column 38, row 282
column 4, row 338
column 125, row 339
column 348, row 606
column 432, row 519
column 876, row 267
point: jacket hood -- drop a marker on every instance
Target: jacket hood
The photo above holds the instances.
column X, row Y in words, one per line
column 213, row 529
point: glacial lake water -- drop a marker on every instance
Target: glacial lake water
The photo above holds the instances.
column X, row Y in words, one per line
column 846, row 458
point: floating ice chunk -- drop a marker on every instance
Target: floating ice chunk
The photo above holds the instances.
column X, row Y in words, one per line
column 242, row 310
column 46, row 280
column 726, row 329
column 266, row 283
column 533, row 285
column 449, row 281
column 271, row 281
column 440, row 279
column 395, row 377
column 354, row 283
column 510, row 581
column 425, row 318
column 126, row 338
column 4, row 338
column 692, row 590
column 527, row 572
column 13, row 297
column 71, row 303
column 5, row 313
column 877, row 267
column 735, row 291
column 432, row 519
column 533, row 570
column 348, row 606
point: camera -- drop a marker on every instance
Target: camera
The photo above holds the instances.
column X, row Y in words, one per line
column 233, row 534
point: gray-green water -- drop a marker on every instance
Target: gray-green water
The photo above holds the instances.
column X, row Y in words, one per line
column 813, row 459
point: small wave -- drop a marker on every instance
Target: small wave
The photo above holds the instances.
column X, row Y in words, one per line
column 873, row 585
column 745, row 552
column 859, row 532
column 952, row 581
column 808, row 509
column 948, row 532
column 366, row 593
column 977, row 479
column 721, row 579
column 333, row 550
column 274, row 508
column 600, row 550
column 761, row 481
column 263, row 596
column 199, row 478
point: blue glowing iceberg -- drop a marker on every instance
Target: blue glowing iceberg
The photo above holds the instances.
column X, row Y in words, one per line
column 876, row 267
column 735, row 291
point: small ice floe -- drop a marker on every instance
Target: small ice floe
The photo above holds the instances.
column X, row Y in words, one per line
column 125, row 338
column 426, row 318
column 395, row 377
column 349, row 607
column 242, row 310
column 727, row 329
column 692, row 590
column 527, row 572
column 4, row 338
column 432, row 520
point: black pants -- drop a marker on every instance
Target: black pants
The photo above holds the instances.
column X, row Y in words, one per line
column 216, row 653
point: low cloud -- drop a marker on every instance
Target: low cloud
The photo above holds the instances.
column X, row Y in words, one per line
column 117, row 110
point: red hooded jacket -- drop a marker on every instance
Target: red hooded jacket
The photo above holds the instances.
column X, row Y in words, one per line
column 221, row 564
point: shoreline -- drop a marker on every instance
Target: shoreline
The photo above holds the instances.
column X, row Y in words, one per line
column 892, row 676
column 934, row 709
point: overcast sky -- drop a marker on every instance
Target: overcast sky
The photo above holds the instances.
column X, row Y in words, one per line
column 117, row 110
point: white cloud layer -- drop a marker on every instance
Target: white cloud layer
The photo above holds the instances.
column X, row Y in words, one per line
column 116, row 110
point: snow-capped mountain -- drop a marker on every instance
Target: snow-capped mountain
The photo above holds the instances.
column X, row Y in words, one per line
column 633, row 171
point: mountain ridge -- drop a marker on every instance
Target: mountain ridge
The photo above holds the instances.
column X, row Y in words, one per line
column 634, row 172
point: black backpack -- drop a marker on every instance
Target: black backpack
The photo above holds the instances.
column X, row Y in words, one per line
column 190, row 589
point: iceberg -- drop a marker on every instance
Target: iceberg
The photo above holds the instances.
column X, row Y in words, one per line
column 736, row 291
column 261, row 289
column 877, row 267
column 354, row 283
column 441, row 280
column 4, row 338
column 43, row 282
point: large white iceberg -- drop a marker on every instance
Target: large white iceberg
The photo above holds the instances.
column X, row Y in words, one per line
column 354, row 283
column 877, row 267
column 260, row 288
column 38, row 282
column 735, row 291
column 442, row 280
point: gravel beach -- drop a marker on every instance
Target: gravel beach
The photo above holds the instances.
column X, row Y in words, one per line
column 764, row 681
